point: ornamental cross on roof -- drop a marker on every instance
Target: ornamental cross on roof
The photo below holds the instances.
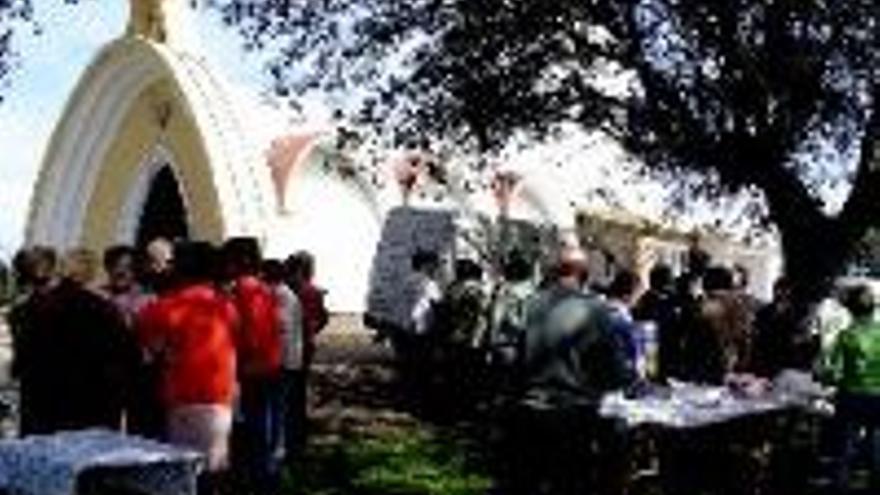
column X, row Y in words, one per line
column 153, row 19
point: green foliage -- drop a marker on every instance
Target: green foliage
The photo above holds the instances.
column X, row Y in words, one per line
column 12, row 13
column 713, row 83
column 471, row 72
column 774, row 96
column 16, row 15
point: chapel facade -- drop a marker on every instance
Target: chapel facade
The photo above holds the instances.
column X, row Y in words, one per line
column 153, row 142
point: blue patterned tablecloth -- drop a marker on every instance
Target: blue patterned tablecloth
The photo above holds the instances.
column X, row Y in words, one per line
column 54, row 464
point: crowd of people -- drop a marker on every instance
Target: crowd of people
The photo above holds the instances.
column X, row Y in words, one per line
column 210, row 347
column 557, row 345
column 200, row 346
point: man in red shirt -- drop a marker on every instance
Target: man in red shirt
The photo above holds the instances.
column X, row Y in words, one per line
column 191, row 331
column 260, row 353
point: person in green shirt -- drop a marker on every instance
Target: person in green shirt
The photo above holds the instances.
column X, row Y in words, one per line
column 854, row 367
column 854, row 361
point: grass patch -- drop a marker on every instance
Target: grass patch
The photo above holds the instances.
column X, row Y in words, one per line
column 409, row 462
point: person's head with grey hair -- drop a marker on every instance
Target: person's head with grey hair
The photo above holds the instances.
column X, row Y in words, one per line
column 159, row 255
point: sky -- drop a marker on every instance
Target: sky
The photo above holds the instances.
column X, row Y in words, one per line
column 49, row 67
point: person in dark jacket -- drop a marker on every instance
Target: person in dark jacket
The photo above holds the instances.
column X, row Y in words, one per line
column 571, row 356
column 507, row 327
column 121, row 264
column 260, row 355
column 301, row 273
column 780, row 341
column 35, row 277
column 572, row 359
column 718, row 342
column 660, row 304
column 622, row 294
column 82, row 356
column 459, row 330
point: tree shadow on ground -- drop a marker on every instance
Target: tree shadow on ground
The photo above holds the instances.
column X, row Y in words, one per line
column 412, row 461
column 369, row 438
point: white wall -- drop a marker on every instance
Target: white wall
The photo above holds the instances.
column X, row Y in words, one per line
column 335, row 221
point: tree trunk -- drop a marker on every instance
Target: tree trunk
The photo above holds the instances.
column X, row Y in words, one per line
column 817, row 247
column 814, row 258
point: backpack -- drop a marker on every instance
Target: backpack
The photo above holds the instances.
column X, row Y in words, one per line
column 509, row 322
column 466, row 314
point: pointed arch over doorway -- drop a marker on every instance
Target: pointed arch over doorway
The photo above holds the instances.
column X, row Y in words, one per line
column 157, row 204
column 111, row 122
column 164, row 211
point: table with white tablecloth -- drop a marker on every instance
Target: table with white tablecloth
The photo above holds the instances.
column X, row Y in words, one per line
column 56, row 464
column 697, row 432
column 686, row 405
column 695, row 407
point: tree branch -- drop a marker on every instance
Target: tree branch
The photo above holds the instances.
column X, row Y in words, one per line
column 862, row 208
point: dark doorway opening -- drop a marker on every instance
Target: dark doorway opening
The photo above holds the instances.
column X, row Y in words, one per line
column 164, row 213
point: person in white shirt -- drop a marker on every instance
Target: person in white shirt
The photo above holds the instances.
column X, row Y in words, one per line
column 830, row 319
column 290, row 317
column 419, row 299
column 427, row 294
column 420, row 293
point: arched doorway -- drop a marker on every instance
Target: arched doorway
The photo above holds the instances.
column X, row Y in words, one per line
column 102, row 157
column 164, row 212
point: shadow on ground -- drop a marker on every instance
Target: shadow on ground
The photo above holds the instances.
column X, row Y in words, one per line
column 367, row 439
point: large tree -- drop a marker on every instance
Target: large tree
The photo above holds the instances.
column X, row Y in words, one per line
column 12, row 14
column 777, row 96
